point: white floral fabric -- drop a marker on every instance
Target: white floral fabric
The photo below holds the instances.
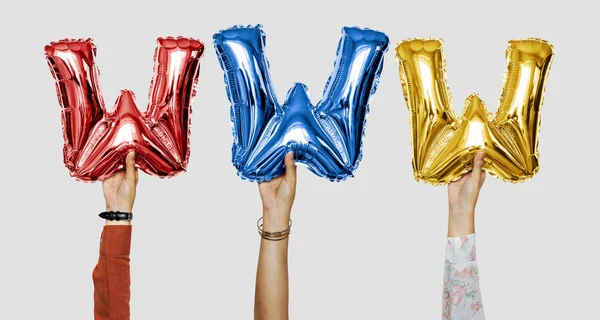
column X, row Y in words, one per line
column 461, row 296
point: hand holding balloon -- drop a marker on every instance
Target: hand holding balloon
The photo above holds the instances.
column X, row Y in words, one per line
column 119, row 189
column 278, row 196
column 462, row 199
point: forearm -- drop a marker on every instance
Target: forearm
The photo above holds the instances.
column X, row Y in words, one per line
column 112, row 274
column 271, row 296
column 461, row 224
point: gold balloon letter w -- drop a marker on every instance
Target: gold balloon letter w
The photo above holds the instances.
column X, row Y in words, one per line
column 444, row 144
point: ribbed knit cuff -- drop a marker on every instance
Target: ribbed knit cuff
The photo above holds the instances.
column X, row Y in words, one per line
column 115, row 240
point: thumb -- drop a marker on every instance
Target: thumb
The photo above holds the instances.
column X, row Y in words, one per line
column 130, row 169
column 477, row 174
column 290, row 167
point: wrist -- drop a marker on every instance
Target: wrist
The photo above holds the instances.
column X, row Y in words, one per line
column 460, row 225
column 118, row 223
column 127, row 209
column 461, row 211
column 274, row 220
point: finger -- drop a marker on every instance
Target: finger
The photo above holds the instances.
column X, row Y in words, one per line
column 290, row 167
column 130, row 169
column 478, row 172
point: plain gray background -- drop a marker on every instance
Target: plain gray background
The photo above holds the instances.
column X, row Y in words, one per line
column 371, row 247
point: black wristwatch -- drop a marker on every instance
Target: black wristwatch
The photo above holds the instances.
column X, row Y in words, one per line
column 116, row 215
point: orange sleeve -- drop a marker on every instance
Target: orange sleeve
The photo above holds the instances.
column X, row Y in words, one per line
column 111, row 274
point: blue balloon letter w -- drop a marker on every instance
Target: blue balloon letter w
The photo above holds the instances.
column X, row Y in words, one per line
column 327, row 138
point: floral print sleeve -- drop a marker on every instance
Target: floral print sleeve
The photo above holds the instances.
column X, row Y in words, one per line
column 462, row 297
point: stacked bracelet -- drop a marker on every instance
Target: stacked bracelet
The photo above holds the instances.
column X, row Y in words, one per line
column 273, row 236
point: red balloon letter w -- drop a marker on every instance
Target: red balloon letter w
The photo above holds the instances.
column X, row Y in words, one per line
column 96, row 141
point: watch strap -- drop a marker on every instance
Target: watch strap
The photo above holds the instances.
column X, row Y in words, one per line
column 116, row 215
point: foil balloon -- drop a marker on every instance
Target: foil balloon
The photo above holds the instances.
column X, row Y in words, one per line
column 326, row 137
column 97, row 141
column 444, row 144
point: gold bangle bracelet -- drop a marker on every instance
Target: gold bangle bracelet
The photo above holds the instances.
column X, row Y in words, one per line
column 273, row 236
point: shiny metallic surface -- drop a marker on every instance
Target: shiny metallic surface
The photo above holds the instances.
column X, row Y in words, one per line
column 97, row 141
column 444, row 144
column 326, row 137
